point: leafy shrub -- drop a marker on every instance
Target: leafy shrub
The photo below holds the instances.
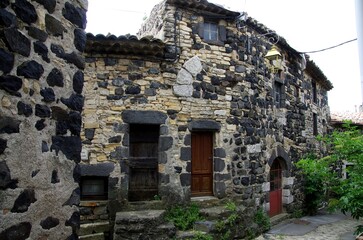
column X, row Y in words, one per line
column 262, row 220
column 184, row 217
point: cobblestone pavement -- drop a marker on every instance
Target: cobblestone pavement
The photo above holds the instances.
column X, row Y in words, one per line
column 342, row 229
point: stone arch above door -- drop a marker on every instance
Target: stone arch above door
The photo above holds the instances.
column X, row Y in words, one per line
column 285, row 161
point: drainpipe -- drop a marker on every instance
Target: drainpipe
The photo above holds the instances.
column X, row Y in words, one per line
column 359, row 23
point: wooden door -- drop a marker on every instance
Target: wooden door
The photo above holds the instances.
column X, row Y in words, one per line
column 143, row 162
column 202, row 164
column 275, row 189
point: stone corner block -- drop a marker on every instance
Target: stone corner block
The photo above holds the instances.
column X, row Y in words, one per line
column 183, row 90
column 184, row 77
column 288, row 181
column 193, row 65
column 287, row 200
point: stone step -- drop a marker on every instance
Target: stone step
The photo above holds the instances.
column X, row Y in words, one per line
column 144, row 205
column 187, row 235
column 147, row 224
column 205, row 226
column 92, row 228
column 95, row 236
column 279, row 218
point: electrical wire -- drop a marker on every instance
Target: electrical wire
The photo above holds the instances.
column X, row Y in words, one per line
column 328, row 48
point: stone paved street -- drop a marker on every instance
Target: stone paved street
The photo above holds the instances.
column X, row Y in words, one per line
column 321, row 227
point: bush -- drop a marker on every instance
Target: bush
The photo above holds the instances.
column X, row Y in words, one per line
column 321, row 182
column 184, row 217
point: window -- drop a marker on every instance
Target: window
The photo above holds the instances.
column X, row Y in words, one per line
column 94, row 188
column 315, row 98
column 315, row 124
column 210, row 32
column 346, row 168
column 278, row 94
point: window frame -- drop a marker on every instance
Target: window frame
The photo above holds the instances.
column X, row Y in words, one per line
column 221, row 32
column 278, row 91
column 103, row 180
column 208, row 32
column 315, row 124
column 314, row 92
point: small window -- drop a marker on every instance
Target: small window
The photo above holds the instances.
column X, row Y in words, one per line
column 278, row 94
column 315, row 98
column 94, row 188
column 210, row 32
column 347, row 166
column 315, row 124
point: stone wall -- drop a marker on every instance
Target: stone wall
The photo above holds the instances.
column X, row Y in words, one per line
column 41, row 82
column 225, row 87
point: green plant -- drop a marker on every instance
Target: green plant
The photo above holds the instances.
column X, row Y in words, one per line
column 297, row 214
column 318, row 180
column 184, row 217
column 157, row 197
column 262, row 220
column 346, row 195
column 250, row 234
column 202, row 236
column 223, row 227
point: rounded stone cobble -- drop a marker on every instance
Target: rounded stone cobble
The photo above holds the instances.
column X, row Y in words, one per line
column 331, row 231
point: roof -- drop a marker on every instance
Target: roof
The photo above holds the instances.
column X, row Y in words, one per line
column 204, row 5
column 125, row 45
column 154, row 48
column 339, row 117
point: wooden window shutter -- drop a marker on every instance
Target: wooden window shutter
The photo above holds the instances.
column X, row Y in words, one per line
column 222, row 33
column 201, row 30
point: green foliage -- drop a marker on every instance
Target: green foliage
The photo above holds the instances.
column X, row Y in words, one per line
column 321, row 182
column 202, row 236
column 262, row 220
column 184, row 217
column 297, row 214
column 223, row 226
column 318, row 179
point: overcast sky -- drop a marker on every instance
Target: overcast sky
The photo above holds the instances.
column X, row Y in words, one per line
column 307, row 25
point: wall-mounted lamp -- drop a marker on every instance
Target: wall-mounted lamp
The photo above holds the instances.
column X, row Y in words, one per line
column 275, row 58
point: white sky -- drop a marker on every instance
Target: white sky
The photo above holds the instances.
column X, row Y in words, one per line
column 306, row 25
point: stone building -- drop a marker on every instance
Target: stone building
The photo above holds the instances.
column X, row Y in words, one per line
column 41, row 81
column 206, row 102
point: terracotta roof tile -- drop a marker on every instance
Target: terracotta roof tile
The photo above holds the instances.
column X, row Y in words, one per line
column 339, row 117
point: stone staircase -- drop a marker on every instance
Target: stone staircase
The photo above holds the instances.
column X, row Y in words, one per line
column 150, row 224
column 94, row 231
column 146, row 220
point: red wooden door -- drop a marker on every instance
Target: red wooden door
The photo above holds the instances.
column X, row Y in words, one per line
column 275, row 189
column 202, row 164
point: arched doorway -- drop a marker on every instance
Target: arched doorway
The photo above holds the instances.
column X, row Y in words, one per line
column 276, row 188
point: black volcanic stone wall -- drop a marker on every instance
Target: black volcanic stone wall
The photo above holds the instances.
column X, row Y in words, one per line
column 41, row 83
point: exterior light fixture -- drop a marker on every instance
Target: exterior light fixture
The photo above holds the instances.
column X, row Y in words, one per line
column 275, row 58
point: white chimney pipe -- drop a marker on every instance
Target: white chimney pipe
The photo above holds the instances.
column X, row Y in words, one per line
column 359, row 23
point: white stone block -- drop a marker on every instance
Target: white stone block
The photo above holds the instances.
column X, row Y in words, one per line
column 266, row 187
column 286, row 192
column 254, row 148
column 220, row 112
column 287, row 200
column 183, row 90
column 193, row 65
column 266, row 206
column 184, row 77
column 288, row 181
column 85, row 155
column 228, row 98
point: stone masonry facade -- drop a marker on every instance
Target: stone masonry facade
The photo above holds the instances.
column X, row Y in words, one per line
column 41, row 84
column 188, row 84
